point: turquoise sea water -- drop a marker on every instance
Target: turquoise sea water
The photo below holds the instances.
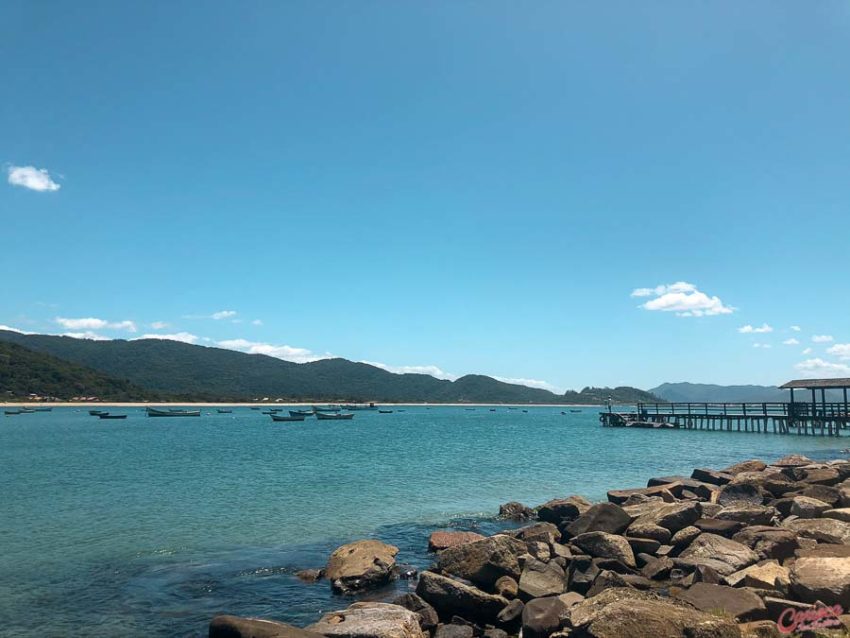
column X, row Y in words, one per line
column 148, row 527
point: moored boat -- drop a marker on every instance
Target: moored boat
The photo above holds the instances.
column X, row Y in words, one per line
column 106, row 415
column 359, row 406
column 282, row 417
column 224, row 411
column 326, row 409
column 172, row 412
column 334, row 416
column 385, row 411
column 11, row 412
column 97, row 412
column 301, row 413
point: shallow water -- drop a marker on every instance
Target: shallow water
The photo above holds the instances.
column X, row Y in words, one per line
column 151, row 526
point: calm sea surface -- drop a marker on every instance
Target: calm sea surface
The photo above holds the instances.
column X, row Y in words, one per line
column 149, row 527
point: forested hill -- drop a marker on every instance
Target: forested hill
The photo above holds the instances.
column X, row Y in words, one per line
column 217, row 374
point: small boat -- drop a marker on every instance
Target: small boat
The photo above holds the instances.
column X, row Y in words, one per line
column 97, row 412
column 271, row 411
column 42, row 409
column 301, row 413
column 106, row 415
column 282, row 417
column 575, row 411
column 526, row 411
column 492, row 409
column 385, row 411
column 334, row 416
column 327, row 409
column 27, row 411
column 359, row 406
column 172, row 412
column 255, row 408
column 11, row 412
column 224, row 411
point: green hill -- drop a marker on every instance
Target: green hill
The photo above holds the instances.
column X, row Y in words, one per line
column 24, row 372
column 213, row 373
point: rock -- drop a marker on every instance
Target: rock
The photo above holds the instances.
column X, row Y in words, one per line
column 621, row 496
column 604, row 545
column 369, row 620
column 768, row 542
column 606, row 580
column 706, row 574
column 685, row 536
column 450, row 597
column 806, row 507
column 560, row 551
column 485, row 561
column 544, row 616
column 539, row 550
column 657, row 568
column 722, row 554
column 766, row 575
column 581, row 574
column 428, row 618
column 360, row 565
column 830, row 495
column 709, row 510
column 454, row 631
column 515, row 511
column 507, row 587
column 650, row 531
column 841, row 514
column 561, row 509
column 746, row 492
column 775, row 606
column 760, row 629
column 309, row 575
column 793, row 460
column 493, row 632
column 819, row 476
column 824, row 550
column 602, row 517
column 540, row 579
column 511, row 613
column 822, row 579
column 613, row 565
column 629, row 613
column 235, row 627
column 710, row 476
column 643, row 545
column 823, row 530
column 718, row 527
column 746, row 513
column 753, row 465
column 443, row 540
column 741, row 604
column 545, row 532
column 670, row 516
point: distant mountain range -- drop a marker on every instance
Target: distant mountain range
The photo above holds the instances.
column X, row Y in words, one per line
column 710, row 393
column 170, row 368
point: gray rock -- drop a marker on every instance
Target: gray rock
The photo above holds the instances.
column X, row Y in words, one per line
column 769, row 542
column 670, row 516
column 840, row 514
column 722, row 554
column 235, row 627
column 454, row 631
column 685, row 536
column 369, row 620
column 746, row 513
column 561, row 509
column 485, row 561
column 822, row 579
column 511, row 613
column 741, row 604
column 602, row 517
column 581, row 574
column 544, row 616
column 807, row 507
column 515, row 511
column 825, row 493
column 711, row 476
column 428, row 618
column 507, row 587
column 718, row 527
column 606, row 580
column 657, row 568
column 823, row 530
column 604, row 545
column 752, row 465
column 450, row 597
column 765, row 575
column 540, row 579
column 745, row 492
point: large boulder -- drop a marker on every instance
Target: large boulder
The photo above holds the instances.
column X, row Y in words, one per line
column 542, row 617
column 839, row 514
column 742, row 605
column 822, row 579
column 629, row 613
column 428, row 618
column 441, row 540
column 540, row 579
column 451, row 597
column 604, row 545
column 740, row 491
column 807, row 507
column 602, row 517
column 485, row 561
column 723, row 555
column 792, row 460
column 515, row 511
column 746, row 513
column 765, row 575
column 369, row 620
column 825, row 493
column 235, row 627
column 561, row 509
column 361, row 565
column 711, row 476
column 823, row 530
column 670, row 516
column 768, row 542
column 753, row 465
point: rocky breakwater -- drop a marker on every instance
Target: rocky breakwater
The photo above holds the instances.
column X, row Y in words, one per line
column 749, row 550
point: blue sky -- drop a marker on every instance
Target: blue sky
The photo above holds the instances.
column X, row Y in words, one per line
column 458, row 186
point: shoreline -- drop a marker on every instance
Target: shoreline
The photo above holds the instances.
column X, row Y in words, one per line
column 261, row 404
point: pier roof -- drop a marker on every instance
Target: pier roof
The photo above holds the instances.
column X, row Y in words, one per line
column 816, row 384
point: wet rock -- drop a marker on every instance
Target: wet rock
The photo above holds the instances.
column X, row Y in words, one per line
column 361, row 565
column 822, row 579
column 711, row 476
column 741, row 604
column 806, row 507
column 561, row 509
column 604, row 545
column 722, row 554
column 507, row 587
column 718, row 527
column 441, row 540
column 516, row 511
column 841, row 514
column 540, row 579
column 428, row 618
column 544, row 616
column 746, row 513
column 309, row 575
column 685, row 536
column 450, row 597
column 769, row 542
column 740, row 492
column 602, row 517
column 235, row 627
column 606, row 580
column 485, row 561
column 629, row 613
column 369, row 620
column 823, row 530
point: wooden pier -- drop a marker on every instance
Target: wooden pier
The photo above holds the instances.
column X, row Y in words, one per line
column 817, row 417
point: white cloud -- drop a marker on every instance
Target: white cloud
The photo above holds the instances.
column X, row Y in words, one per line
column 748, row 329
column 682, row 298
column 184, row 337
column 257, row 322
column 433, row 371
column 223, row 314
column 791, row 342
column 807, row 351
column 287, row 353
column 159, row 325
column 92, row 323
column 840, row 350
column 819, row 368
column 11, row 329
column 35, row 179
column 762, row 345
column 822, row 338
column 531, row 383
column 795, row 328
column 88, row 334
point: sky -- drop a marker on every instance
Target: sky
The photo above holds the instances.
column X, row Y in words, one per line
column 561, row 193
